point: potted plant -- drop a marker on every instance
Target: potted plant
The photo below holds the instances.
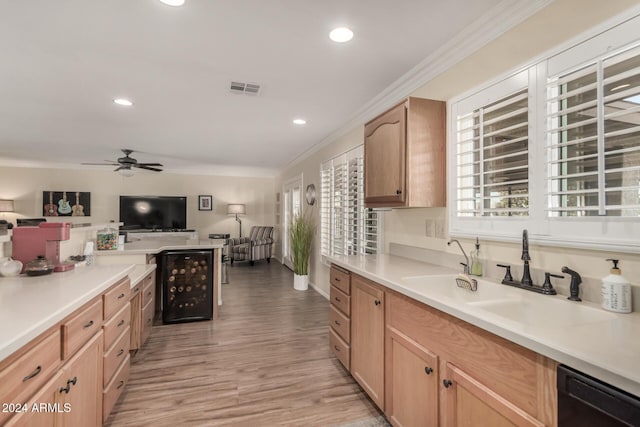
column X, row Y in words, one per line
column 301, row 231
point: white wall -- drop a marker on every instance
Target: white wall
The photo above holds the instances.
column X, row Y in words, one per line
column 561, row 21
column 25, row 186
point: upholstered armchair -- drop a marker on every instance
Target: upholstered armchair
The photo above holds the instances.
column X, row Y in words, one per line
column 253, row 248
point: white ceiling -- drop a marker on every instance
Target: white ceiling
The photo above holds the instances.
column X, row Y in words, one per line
column 62, row 63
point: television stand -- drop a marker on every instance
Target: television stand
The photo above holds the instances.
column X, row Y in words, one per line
column 151, row 234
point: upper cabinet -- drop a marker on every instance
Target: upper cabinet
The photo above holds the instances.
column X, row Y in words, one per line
column 404, row 156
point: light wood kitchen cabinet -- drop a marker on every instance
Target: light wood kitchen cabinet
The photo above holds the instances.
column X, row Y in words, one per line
column 82, row 386
column 404, row 156
column 411, row 382
column 340, row 315
column 47, row 395
column 367, row 337
column 480, row 375
column 467, row 402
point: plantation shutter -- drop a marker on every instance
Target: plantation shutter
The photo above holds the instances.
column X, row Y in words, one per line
column 347, row 227
column 492, row 158
column 593, row 155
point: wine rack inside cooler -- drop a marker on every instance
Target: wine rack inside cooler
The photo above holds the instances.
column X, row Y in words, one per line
column 187, row 286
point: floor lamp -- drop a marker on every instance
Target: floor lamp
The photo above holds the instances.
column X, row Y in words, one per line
column 237, row 209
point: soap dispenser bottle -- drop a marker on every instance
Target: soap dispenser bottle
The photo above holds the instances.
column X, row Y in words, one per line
column 476, row 264
column 616, row 291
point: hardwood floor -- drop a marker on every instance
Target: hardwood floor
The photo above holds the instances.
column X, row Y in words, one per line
column 265, row 362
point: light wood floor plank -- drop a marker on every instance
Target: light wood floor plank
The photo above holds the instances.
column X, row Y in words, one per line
column 264, row 362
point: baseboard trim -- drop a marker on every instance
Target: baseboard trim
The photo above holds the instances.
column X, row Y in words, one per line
column 320, row 291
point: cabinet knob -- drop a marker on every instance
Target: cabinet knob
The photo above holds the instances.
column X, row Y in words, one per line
column 398, row 192
column 377, row 302
column 428, row 370
column 447, row 383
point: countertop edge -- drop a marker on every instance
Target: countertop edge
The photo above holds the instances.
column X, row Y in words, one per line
column 537, row 344
column 44, row 323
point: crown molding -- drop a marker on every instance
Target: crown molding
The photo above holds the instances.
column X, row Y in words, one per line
column 497, row 21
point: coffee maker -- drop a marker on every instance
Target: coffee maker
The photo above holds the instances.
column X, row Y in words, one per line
column 29, row 242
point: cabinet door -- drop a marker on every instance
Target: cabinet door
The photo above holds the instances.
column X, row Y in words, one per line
column 83, row 386
column 467, row 402
column 411, row 382
column 43, row 409
column 385, row 159
column 367, row 338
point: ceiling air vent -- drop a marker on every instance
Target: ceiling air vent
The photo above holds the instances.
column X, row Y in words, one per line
column 246, row 88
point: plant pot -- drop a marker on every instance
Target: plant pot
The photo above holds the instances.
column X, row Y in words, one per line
column 300, row 282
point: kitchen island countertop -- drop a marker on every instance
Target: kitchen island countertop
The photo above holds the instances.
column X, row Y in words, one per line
column 31, row 305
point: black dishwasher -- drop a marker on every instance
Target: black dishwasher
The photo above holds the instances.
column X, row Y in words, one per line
column 585, row 401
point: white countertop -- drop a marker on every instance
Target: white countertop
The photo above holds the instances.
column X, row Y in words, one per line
column 581, row 335
column 31, row 305
column 154, row 246
column 139, row 272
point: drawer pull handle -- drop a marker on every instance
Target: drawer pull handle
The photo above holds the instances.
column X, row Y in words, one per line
column 336, row 348
column 428, row 370
column 33, row 374
column 447, row 383
column 120, row 296
column 74, row 381
column 120, row 323
column 88, row 325
column 377, row 302
column 336, row 322
column 120, row 352
column 338, row 299
column 337, row 279
column 120, row 385
column 65, row 389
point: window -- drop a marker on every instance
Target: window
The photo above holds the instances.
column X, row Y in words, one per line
column 554, row 148
column 347, row 227
column 594, row 139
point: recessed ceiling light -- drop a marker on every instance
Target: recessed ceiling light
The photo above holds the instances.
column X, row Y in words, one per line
column 123, row 101
column 341, row 35
column 173, row 2
column 299, row 121
column 622, row 86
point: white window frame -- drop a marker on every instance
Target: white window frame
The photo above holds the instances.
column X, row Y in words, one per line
column 328, row 246
column 595, row 232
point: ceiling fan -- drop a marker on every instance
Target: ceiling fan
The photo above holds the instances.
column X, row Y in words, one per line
column 124, row 164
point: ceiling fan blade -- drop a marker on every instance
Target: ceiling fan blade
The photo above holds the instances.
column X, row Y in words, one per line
column 149, row 164
column 121, row 168
column 102, row 164
column 142, row 166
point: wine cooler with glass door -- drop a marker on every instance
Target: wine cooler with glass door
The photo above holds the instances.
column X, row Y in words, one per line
column 187, row 286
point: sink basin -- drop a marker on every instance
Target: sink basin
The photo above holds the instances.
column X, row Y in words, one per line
column 547, row 312
column 445, row 286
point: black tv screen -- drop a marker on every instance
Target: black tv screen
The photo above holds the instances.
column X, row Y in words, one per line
column 153, row 212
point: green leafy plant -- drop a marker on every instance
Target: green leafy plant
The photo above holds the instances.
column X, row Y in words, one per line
column 301, row 231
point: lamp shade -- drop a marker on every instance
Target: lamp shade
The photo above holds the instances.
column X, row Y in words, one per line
column 6, row 206
column 236, row 209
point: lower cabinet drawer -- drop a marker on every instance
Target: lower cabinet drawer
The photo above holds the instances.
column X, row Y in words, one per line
column 340, row 349
column 341, row 300
column 114, row 356
column 340, row 323
column 77, row 330
column 113, row 390
column 148, row 291
column 115, row 298
column 20, row 379
column 113, row 327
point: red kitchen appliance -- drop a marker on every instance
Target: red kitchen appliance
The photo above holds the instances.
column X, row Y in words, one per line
column 29, row 242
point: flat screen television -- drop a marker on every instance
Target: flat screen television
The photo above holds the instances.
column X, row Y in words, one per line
column 153, row 212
